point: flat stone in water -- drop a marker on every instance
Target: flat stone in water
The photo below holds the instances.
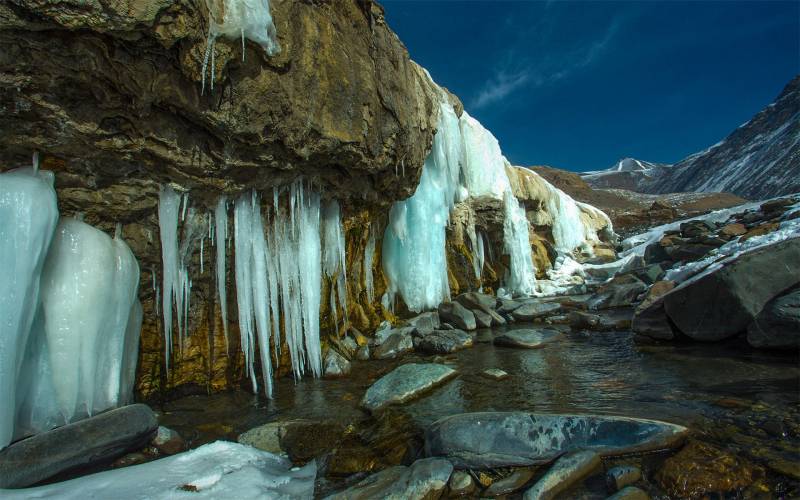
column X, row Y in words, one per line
column 494, row 373
column 533, row 310
column 527, row 339
column 405, row 383
column 425, row 478
column 444, row 341
column 503, row 439
column 567, row 471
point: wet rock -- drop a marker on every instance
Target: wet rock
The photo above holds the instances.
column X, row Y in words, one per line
column 424, row 479
column 168, row 441
column 724, row 300
column 397, row 344
column 265, row 437
column 778, row 323
column 494, row 373
column 383, row 332
column 700, row 469
column 510, row 483
column 579, row 320
column 508, row 305
column 658, row 289
column 630, row 493
column 482, row 319
column 457, row 315
column 362, row 354
column 619, row 292
column 301, row 440
column 461, row 484
column 443, row 341
column 534, row 310
column 425, row 323
column 404, row 383
column 497, row 318
column 567, row 471
column 622, row 475
column 500, row 439
column 527, row 339
column 476, row 300
column 335, row 365
column 652, row 321
column 81, row 444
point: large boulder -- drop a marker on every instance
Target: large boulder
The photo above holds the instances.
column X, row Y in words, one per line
column 457, row 315
column 504, row 439
column 724, row 299
column 81, row 444
column 778, row 324
column 443, row 341
column 404, row 383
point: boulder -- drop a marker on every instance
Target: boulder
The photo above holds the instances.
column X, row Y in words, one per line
column 476, row 300
column 425, row 323
column 507, row 305
column 651, row 321
column 535, row 310
column 621, row 476
column 511, row 483
column 443, row 341
column 778, row 324
column 94, row 440
column 658, row 289
column 579, row 320
column 335, row 365
column 527, row 339
column 506, row 439
column 630, row 493
column 482, row 319
column 725, row 298
column 301, row 440
column 567, row 471
column 621, row 291
column 424, row 479
column 461, row 484
column 168, row 441
column 404, row 383
column 397, row 344
column 497, row 318
column 457, row 315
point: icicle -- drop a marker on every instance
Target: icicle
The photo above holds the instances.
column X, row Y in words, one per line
column 521, row 279
column 168, row 203
column 28, row 217
column 243, row 234
column 261, row 297
column 333, row 256
column 221, row 229
column 201, row 254
column 369, row 254
column 35, row 163
column 185, row 205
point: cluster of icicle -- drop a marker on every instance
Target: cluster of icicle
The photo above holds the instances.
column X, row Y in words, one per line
column 235, row 19
column 465, row 161
column 279, row 261
column 69, row 313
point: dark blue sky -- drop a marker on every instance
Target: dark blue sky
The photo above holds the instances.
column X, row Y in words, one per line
column 578, row 85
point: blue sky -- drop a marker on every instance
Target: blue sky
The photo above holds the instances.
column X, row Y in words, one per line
column 578, row 85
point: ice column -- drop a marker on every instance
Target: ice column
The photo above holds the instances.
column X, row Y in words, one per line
column 369, row 255
column 168, row 205
column 333, row 255
column 28, row 217
column 221, row 235
column 521, row 279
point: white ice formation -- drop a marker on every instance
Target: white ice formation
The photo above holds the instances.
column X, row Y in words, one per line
column 70, row 323
column 216, row 470
column 234, row 19
column 333, row 257
column 220, row 233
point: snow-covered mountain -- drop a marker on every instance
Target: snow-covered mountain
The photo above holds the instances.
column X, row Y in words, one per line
column 627, row 173
column 760, row 159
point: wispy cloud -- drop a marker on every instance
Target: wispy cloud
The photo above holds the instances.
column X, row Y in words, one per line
column 499, row 86
column 516, row 72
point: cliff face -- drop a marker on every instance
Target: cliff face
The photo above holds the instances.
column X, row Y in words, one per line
column 110, row 93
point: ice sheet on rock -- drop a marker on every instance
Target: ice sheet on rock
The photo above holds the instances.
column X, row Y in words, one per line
column 369, row 255
column 220, row 239
column 333, row 256
column 521, row 280
column 217, row 470
column 28, row 217
column 483, row 164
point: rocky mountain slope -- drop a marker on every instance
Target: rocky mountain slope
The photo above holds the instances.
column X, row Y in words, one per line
column 758, row 160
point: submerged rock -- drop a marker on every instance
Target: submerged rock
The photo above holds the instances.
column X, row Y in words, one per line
column 80, row 444
column 534, row 310
column 499, row 439
column 424, row 479
column 527, row 339
column 567, row 471
column 404, row 383
column 457, row 315
column 444, row 341
column 778, row 324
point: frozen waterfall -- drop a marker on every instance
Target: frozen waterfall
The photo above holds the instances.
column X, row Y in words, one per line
column 522, row 275
column 28, row 217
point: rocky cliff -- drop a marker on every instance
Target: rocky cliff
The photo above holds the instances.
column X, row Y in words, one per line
column 111, row 95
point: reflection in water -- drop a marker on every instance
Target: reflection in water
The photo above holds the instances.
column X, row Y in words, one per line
column 602, row 373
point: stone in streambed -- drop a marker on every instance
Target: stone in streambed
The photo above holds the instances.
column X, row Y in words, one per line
column 457, row 315
column 477, row 300
column 396, row 345
column 443, row 341
column 404, row 383
column 424, row 479
column 168, row 441
column 81, row 444
column 494, row 374
column 425, row 323
column 567, row 471
column 534, row 310
column 335, row 365
column 622, row 475
column 510, row 483
column 504, row 439
column 482, row 319
column 527, row 339
column 461, row 484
